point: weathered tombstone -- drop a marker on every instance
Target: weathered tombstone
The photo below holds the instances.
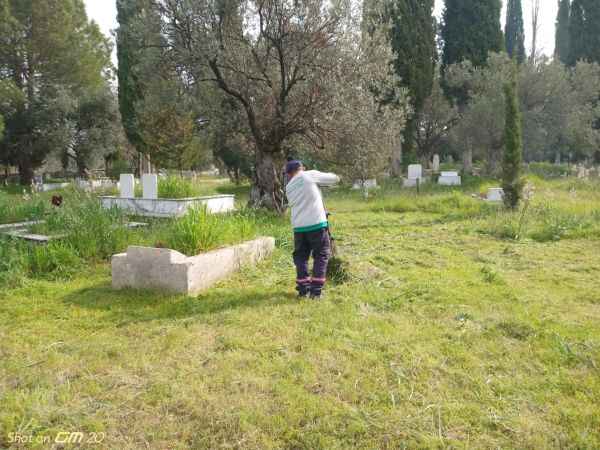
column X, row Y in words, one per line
column 415, row 175
column 127, row 185
column 415, row 171
column 150, row 186
column 436, row 163
column 495, row 195
column 449, row 179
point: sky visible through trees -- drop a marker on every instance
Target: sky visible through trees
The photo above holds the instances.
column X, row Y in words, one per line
column 105, row 14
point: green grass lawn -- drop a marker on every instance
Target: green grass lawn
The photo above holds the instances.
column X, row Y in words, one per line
column 449, row 335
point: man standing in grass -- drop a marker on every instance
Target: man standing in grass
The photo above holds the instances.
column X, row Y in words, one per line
column 311, row 229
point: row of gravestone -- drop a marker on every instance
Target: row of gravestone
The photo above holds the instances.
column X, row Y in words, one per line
column 149, row 186
column 415, row 176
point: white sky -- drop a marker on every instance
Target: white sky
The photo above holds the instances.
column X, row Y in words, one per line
column 104, row 12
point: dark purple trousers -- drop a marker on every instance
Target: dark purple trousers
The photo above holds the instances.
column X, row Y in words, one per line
column 317, row 244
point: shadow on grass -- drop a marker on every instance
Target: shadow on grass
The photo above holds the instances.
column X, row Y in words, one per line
column 130, row 306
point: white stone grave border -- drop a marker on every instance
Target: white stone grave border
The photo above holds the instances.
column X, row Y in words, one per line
column 168, row 270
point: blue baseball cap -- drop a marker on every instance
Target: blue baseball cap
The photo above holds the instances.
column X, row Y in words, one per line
column 292, row 166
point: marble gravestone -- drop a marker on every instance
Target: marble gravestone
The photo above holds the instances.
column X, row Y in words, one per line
column 150, row 186
column 415, row 175
column 436, row 163
column 127, row 185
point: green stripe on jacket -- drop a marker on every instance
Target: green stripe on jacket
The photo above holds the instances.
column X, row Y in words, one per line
column 316, row 227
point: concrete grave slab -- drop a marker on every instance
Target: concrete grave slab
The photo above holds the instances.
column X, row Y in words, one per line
column 449, row 179
column 169, row 270
column 170, row 207
column 495, row 195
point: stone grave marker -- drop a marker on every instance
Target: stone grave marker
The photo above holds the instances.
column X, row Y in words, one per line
column 495, row 195
column 127, row 185
column 150, row 186
column 450, row 179
column 436, row 163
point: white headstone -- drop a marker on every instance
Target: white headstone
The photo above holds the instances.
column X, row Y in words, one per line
column 449, row 174
column 150, row 185
column 436, row 163
column 415, row 171
column 449, row 179
column 127, row 185
column 495, row 195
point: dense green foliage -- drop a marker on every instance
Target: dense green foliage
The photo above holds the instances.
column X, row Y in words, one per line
column 577, row 38
column 512, row 180
column 413, row 40
column 561, row 49
column 54, row 57
column 128, row 54
column 559, row 106
column 470, row 30
column 514, row 34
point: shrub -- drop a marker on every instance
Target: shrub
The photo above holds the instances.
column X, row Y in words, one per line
column 512, row 181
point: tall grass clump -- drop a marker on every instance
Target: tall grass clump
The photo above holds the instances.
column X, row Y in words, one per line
column 199, row 231
column 451, row 206
column 548, row 170
column 544, row 222
column 18, row 209
column 176, row 187
column 89, row 229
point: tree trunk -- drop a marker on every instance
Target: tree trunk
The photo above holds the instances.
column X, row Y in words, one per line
column 468, row 160
column 26, row 173
column 557, row 157
column 397, row 160
column 267, row 187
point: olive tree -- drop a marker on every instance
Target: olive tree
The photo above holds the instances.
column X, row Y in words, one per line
column 289, row 65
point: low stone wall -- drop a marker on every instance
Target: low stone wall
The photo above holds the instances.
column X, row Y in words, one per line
column 170, row 207
column 164, row 269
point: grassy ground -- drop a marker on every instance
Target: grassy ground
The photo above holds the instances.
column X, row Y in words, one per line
column 448, row 336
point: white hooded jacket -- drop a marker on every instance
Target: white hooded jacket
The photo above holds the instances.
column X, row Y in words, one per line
column 306, row 201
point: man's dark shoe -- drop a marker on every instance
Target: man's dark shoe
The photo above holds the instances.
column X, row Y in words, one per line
column 316, row 297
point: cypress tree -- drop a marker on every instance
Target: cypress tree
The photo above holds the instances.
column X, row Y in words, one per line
column 514, row 33
column 128, row 54
column 413, row 39
column 577, row 38
column 561, row 49
column 470, row 30
column 591, row 33
column 512, row 180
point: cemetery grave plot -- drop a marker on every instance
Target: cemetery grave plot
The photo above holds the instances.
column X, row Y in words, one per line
column 150, row 205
